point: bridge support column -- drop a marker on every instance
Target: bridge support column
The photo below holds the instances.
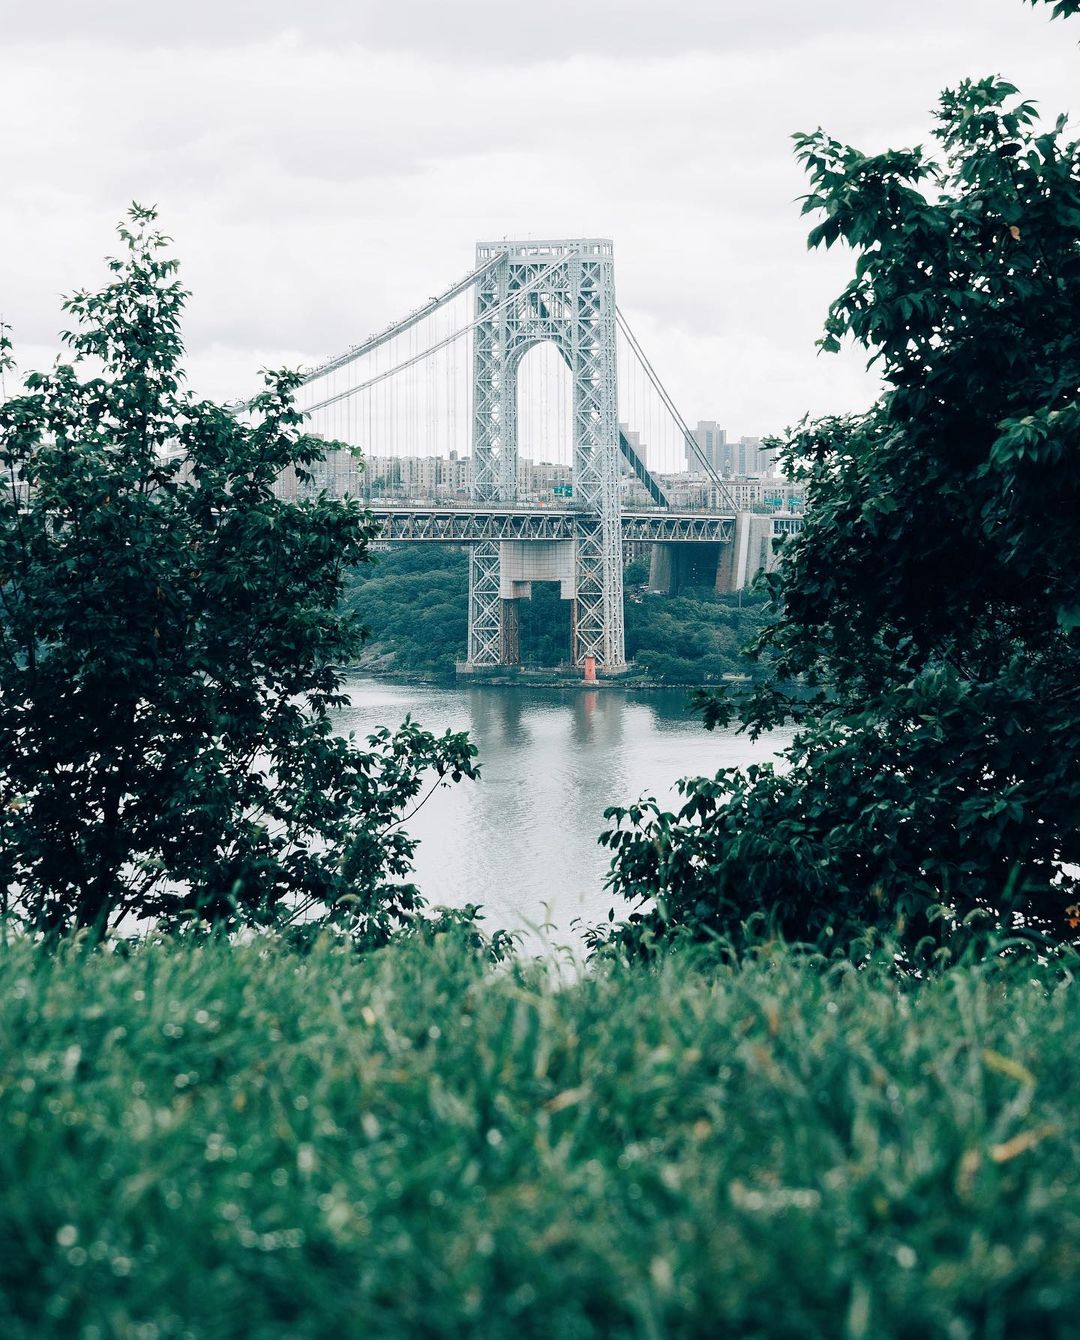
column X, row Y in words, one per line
column 749, row 553
column 674, row 567
column 597, row 625
column 485, row 605
column 511, row 632
column 662, row 569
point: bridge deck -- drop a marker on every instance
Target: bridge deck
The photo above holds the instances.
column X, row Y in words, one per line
column 466, row 524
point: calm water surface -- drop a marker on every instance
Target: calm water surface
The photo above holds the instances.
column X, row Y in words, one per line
column 522, row 840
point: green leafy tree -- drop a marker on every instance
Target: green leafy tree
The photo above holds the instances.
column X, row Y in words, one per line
column 933, row 597
column 170, row 633
column 1061, row 9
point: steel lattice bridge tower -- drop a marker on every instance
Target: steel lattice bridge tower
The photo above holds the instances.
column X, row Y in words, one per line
column 442, row 387
column 567, row 297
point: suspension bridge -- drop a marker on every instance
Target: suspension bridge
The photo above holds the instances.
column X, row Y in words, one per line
column 517, row 413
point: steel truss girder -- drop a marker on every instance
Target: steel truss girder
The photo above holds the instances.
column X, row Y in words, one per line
column 473, row 525
column 573, row 306
column 676, row 529
column 485, row 605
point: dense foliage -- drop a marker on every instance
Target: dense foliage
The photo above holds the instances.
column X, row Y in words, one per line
column 933, row 594
column 414, row 601
column 169, row 637
column 217, row 1141
column 694, row 638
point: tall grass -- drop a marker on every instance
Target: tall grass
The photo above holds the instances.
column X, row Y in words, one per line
column 216, row 1141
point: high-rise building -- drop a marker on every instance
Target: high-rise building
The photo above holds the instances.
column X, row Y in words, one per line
column 745, row 457
column 711, row 440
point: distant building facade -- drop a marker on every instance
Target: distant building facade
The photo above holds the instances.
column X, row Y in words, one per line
column 745, row 457
column 338, row 474
column 746, row 469
column 750, row 493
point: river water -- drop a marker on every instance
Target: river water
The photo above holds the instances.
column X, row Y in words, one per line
column 521, row 841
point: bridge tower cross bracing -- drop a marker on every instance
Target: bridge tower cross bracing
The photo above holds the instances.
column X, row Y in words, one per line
column 568, row 298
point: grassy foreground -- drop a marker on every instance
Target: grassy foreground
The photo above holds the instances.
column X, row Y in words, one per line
column 214, row 1141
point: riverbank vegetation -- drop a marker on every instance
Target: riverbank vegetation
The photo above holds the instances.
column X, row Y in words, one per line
column 414, row 602
column 213, row 1139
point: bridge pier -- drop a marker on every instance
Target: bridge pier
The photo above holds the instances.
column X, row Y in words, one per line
column 674, row 567
column 485, row 605
column 726, row 567
column 511, row 632
column 749, row 553
column 662, row 569
column 501, row 574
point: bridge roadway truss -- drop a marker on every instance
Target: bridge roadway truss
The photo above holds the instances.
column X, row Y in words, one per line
column 567, row 297
column 481, row 526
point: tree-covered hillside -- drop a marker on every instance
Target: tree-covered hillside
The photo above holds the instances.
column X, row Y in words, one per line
column 695, row 638
column 414, row 603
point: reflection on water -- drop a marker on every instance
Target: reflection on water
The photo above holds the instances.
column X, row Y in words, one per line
column 522, row 840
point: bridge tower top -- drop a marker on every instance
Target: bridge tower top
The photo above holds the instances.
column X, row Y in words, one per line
column 546, row 250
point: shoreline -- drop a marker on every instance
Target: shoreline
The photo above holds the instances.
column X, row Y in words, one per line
column 539, row 679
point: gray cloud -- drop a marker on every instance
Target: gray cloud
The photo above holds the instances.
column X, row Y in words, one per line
column 322, row 175
column 473, row 30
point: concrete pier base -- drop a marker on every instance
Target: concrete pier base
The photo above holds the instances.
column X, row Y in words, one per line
column 750, row 553
column 675, row 567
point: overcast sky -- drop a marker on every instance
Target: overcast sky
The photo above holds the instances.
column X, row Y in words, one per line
column 324, row 168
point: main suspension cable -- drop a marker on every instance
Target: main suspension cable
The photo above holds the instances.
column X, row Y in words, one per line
column 400, row 327
column 479, row 319
column 690, row 440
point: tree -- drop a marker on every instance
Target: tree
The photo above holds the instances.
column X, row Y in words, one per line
column 932, row 600
column 1060, row 9
column 170, row 637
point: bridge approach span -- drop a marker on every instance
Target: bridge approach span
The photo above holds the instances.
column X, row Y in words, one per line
column 475, row 525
